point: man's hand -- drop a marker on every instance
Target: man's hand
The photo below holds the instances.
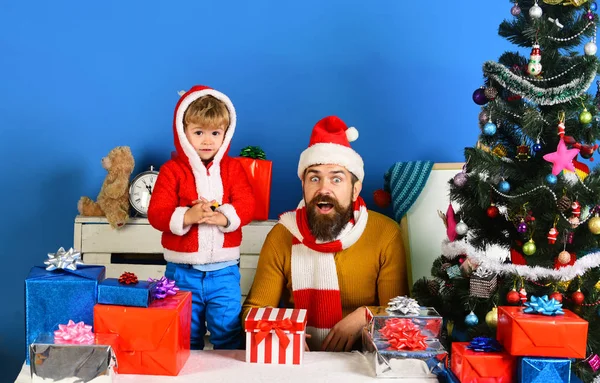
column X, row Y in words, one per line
column 343, row 335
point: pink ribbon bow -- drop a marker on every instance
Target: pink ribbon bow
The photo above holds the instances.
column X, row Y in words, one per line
column 78, row 333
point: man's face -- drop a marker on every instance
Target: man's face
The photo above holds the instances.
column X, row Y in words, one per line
column 328, row 195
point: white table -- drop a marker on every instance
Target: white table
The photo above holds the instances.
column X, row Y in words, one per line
column 230, row 366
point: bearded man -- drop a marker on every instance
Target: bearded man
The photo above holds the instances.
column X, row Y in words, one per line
column 331, row 256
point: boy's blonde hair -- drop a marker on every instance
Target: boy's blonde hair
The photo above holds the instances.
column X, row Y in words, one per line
column 208, row 111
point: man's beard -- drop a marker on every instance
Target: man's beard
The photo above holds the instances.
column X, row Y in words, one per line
column 327, row 227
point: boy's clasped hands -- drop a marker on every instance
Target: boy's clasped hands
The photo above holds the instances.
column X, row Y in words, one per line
column 202, row 211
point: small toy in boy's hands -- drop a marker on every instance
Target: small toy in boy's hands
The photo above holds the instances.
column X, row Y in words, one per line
column 213, row 206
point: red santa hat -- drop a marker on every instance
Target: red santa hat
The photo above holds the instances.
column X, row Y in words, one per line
column 330, row 145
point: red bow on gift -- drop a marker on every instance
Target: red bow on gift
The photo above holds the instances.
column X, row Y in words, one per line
column 278, row 326
column 403, row 334
column 128, row 278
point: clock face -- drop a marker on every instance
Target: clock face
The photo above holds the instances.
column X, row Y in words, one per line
column 140, row 191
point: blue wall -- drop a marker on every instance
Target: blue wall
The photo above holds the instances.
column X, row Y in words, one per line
column 78, row 78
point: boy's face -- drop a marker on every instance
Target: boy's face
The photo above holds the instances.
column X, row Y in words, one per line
column 206, row 141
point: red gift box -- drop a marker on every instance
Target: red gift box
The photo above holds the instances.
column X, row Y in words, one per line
column 259, row 176
column 153, row 340
column 563, row 336
column 482, row 367
column 275, row 336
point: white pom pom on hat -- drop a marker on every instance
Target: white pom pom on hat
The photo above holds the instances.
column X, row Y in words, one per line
column 330, row 144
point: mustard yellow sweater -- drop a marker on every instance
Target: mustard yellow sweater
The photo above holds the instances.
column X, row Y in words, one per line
column 370, row 272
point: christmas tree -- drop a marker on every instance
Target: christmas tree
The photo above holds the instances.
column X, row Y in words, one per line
column 526, row 215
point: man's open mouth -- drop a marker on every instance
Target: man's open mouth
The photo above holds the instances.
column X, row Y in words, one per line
column 324, row 207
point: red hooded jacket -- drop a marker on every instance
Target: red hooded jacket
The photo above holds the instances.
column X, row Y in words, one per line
column 184, row 179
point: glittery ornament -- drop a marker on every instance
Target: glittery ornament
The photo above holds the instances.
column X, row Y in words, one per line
column 471, row 319
column 574, row 221
column 490, row 93
column 500, row 150
column 515, row 10
column 513, row 297
column 564, row 285
column 594, row 362
column 590, row 16
column 460, row 179
column 597, row 286
column 489, row 129
column 483, row 117
column 529, row 247
column 563, row 204
column 491, row 318
column 564, row 257
column 556, row 296
column 578, row 297
column 453, row 271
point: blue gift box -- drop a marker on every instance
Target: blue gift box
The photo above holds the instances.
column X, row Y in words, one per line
column 111, row 292
column 54, row 297
column 544, row 370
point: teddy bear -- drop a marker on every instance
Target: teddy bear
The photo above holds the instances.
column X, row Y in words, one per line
column 113, row 199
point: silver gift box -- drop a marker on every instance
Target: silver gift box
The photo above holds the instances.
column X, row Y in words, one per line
column 425, row 365
column 70, row 363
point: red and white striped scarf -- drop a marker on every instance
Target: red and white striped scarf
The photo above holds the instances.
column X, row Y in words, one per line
column 314, row 277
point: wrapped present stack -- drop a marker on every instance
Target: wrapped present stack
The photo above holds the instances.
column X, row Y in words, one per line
column 64, row 290
column 402, row 341
column 153, row 328
column 536, row 343
column 275, row 336
column 82, row 327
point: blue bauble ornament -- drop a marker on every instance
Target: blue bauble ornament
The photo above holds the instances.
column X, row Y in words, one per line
column 593, row 7
column 471, row 319
column 489, row 129
column 551, row 179
column 504, row 187
column 537, row 147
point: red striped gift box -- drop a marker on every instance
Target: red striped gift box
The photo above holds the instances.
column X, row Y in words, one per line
column 275, row 336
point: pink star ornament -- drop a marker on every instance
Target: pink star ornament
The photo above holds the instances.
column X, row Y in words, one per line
column 562, row 158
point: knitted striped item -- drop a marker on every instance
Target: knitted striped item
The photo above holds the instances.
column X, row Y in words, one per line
column 405, row 181
column 314, row 276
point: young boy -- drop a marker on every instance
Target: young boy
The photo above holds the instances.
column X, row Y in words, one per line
column 201, row 243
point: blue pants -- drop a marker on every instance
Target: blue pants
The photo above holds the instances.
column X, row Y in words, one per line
column 216, row 304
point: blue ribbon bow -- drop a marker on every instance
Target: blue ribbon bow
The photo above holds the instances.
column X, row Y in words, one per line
column 484, row 344
column 543, row 305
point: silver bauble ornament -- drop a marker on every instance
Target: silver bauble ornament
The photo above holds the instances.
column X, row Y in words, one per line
column 590, row 48
column 461, row 228
column 535, row 12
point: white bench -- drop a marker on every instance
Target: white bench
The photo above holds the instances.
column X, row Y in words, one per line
column 136, row 248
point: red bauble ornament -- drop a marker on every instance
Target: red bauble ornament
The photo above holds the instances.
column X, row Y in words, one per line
column 578, row 297
column 556, row 296
column 382, row 198
column 513, row 297
column 493, row 211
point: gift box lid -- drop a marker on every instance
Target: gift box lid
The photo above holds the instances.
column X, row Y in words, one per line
column 288, row 320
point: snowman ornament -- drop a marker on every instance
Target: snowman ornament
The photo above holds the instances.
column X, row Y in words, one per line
column 534, row 68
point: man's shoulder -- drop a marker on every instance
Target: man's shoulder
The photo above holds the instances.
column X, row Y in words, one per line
column 380, row 220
